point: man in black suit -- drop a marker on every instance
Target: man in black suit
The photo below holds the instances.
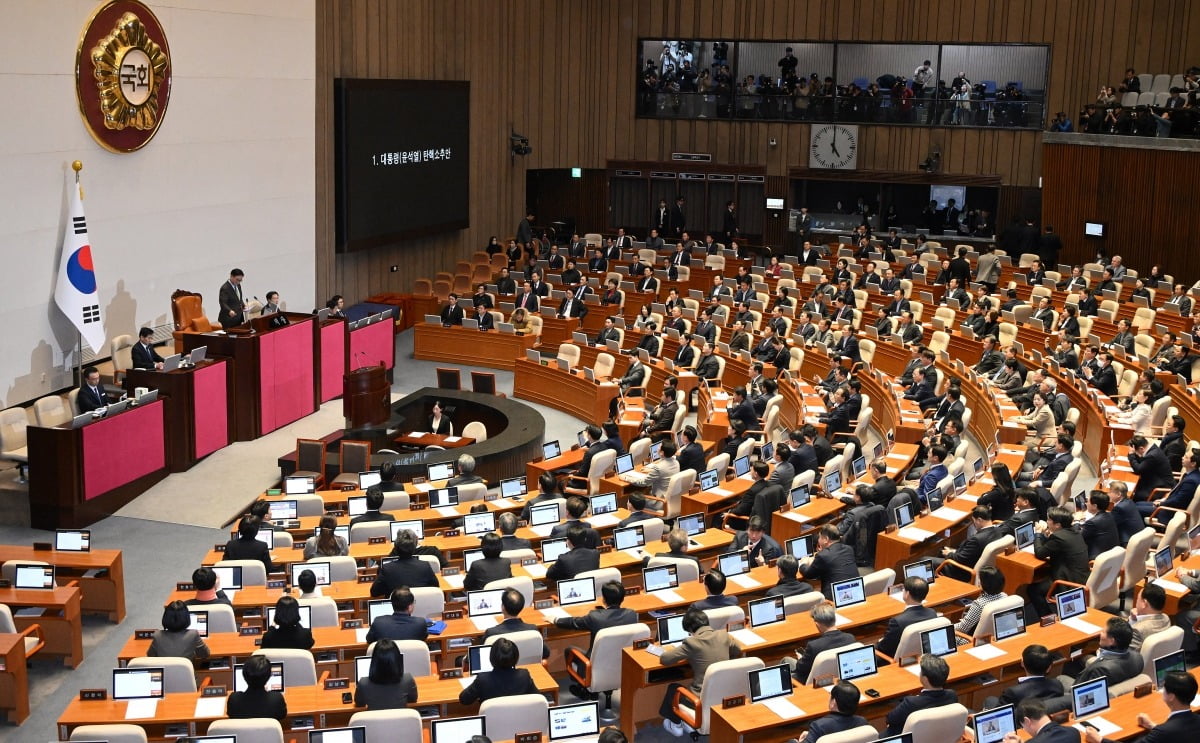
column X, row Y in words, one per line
column 828, row 637
column 507, row 524
column 512, row 602
column 491, row 566
column 843, row 706
column 611, row 614
column 576, row 507
column 833, row 562
column 1103, row 377
column 1150, row 464
column 452, row 314
column 637, row 510
column 969, row 552
column 715, row 597
column 837, row 419
column 1178, row 691
column 677, row 219
column 1044, row 476
column 608, row 332
column 934, row 672
column 1032, row 718
column 1125, row 513
column 1036, row 660
column 759, row 545
column 579, row 559
column 1099, row 531
column 91, row 395
column 484, row 318
column 246, row 546
column 1115, row 660
column 742, row 409
column 787, row 584
column 1065, row 554
column 662, row 218
column 915, row 591
column 233, row 306
column 761, row 497
column 803, row 457
column 400, row 624
column 143, row 353
column 571, row 307
column 374, row 504
column 408, row 570
column 528, row 298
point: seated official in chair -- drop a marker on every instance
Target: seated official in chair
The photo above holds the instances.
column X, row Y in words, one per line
column 491, row 566
column 915, row 591
column 408, row 570
column 703, row 647
column 208, row 590
column 504, row 680
column 762, row 548
column 934, row 672
column 374, row 506
column 288, row 632
column 843, row 709
column 246, row 545
column 828, row 637
column 611, row 614
column 714, row 585
column 143, row 354
column 256, row 701
column 400, row 624
column 386, row 685
column 1036, row 661
column 787, row 584
column 175, row 640
column 512, row 602
column 91, row 394
column 579, row 559
column 833, row 562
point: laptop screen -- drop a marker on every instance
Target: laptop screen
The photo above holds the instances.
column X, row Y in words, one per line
column 479, row 658
column 137, row 683
column 734, row 563
column 660, row 578
column 377, row 608
column 576, row 591
column 920, row 569
column 513, row 487
column 856, row 663
column 456, row 729
column 484, row 603
column 901, row 738
column 800, row 495
column 574, row 720
column 904, row 514
column 848, row 593
column 1089, row 697
column 320, row 571
column 470, row 556
column 213, row 738
column 479, row 523
column 693, row 523
column 624, row 463
column 1162, row 561
column 628, row 538
column 709, row 479
column 338, row 735
column 1025, row 534
column 581, row 437
column 34, row 576
column 992, row 725
column 229, row 577
column 766, row 611
column 342, row 531
column 741, row 466
column 939, row 641
column 833, row 482
column 73, row 540
column 299, row 485
column 283, row 510
column 670, row 629
column 656, row 451
column 305, row 616
column 198, row 620
column 552, row 549
column 362, row 666
column 770, row 682
column 800, row 547
column 860, row 466
column 1008, row 623
column 356, row 506
column 960, row 482
column 439, row 471
column 551, row 449
column 443, row 497
column 368, row 478
column 275, row 683
column 1070, row 603
column 543, row 514
column 977, row 466
column 416, row 526
column 603, row 503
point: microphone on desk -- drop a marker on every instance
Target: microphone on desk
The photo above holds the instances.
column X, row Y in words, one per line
column 358, row 359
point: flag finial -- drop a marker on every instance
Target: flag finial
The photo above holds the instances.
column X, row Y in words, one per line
column 77, row 166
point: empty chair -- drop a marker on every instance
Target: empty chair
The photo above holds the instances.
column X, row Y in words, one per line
column 448, row 379
column 515, row 557
column 179, row 675
column 600, row 672
column 122, row 356
column 428, row 602
column 363, row 532
column 220, row 617
column 722, row 617
column 299, row 667
column 308, row 504
column 310, row 461
column 13, row 440
column 324, row 611
column 860, row 734
column 389, row 724
column 522, row 583
column 353, row 457
column 475, row 430
column 254, row 730
column 652, row 529
column 687, row 570
column 1161, row 643
column 801, row 602
column 824, row 665
column 120, row 733
column 484, row 383
column 8, row 571
column 416, row 657
column 600, row 576
column 52, row 411
column 936, row 724
column 33, row 633
column 878, row 581
column 472, row 491
column 504, row 717
column 569, row 353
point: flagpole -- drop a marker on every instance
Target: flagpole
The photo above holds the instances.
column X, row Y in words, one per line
column 77, row 373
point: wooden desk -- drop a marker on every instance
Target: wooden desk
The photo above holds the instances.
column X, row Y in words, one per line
column 556, row 330
column 196, row 408
column 103, row 592
column 458, row 345
column 570, row 392
column 14, row 679
column 425, row 438
column 60, row 621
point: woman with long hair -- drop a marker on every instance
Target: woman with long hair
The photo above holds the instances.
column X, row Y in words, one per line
column 325, row 543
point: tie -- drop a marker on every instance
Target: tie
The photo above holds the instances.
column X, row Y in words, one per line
column 96, row 392
column 567, row 309
column 524, row 299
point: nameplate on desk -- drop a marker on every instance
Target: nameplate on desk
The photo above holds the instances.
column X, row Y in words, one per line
column 605, row 548
column 1142, row 690
column 185, row 587
column 93, row 695
column 641, row 644
column 302, row 723
column 543, row 604
column 535, row 737
column 376, row 540
column 490, row 497
column 218, row 548
column 450, row 673
column 449, row 614
column 447, row 572
column 458, row 642
column 214, row 691
column 277, row 584
column 298, row 545
column 451, row 533
column 249, row 631
column 346, row 488
column 731, row 702
column 366, row 579
column 417, row 506
column 42, row 546
column 143, row 634
column 889, row 528
column 337, row 514
column 337, row 683
column 1047, row 620
column 522, row 523
column 633, row 590
column 352, row 623
column 529, row 561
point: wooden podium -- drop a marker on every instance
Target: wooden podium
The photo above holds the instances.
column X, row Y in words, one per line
column 366, row 397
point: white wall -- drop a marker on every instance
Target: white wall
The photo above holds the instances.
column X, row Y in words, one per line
column 227, row 181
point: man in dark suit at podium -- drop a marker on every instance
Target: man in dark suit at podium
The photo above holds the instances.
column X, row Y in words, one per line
column 144, row 355
column 452, row 314
column 233, row 306
column 91, row 394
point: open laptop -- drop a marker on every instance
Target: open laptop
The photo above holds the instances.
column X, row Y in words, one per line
column 320, row 571
column 1163, row 561
column 368, row 478
column 338, row 735
column 73, row 540
column 766, row 611
column 484, row 603
column 1025, row 535
column 439, row 471
column 801, row 547
column 709, row 479
column 833, row 483
column 551, row 449
column 770, row 682
column 993, row 724
column 904, row 515
column 479, row 659
column 940, row 641
column 377, row 608
column 1008, row 623
column 513, row 487
column 198, row 620
column 305, row 616
column 479, row 523
column 544, row 514
column 661, row 578
column 849, row 593
column 576, row 591
column 1089, row 698
column 229, row 576
column 630, row 537
column 33, row 576
column 578, row 723
column 734, row 563
column 799, row 496
column 469, row 558
column 1070, row 603
column 299, row 485
column 137, row 683
column 603, row 503
column 416, row 526
column 920, row 569
column 741, row 466
column 1164, row 664
column 275, row 683
column 670, row 629
column 859, row 467
column 857, row 663
column 693, row 524
column 624, row 464
column 552, row 549
column 456, row 729
column 356, row 506
column 283, row 510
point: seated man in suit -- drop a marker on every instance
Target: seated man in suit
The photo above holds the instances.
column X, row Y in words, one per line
column 934, row 672
column 484, row 318
column 400, row 624
column 657, row 476
column 464, row 468
column 787, row 584
column 1066, row 559
column 915, row 591
column 714, row 585
column 527, row 297
column 608, row 333
column 143, row 353
column 374, row 504
column 1153, row 469
column 691, row 455
column 452, row 314
column 1035, row 723
column 1182, row 494
column 594, row 445
column 208, row 589
column 576, row 507
column 1103, row 377
column 1036, row 660
column 246, row 545
column 507, row 524
column 662, row 417
column 91, row 394
column 491, row 566
column 637, row 510
column 611, row 614
column 833, row 562
column 408, row 570
column 762, row 497
column 1178, row 691
column 1099, row 529
column 512, row 602
column 843, row 708
column 707, row 368
column 969, row 552
column 579, row 559
column 761, row 547
column 1115, row 660
column 571, row 306
column 828, row 637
